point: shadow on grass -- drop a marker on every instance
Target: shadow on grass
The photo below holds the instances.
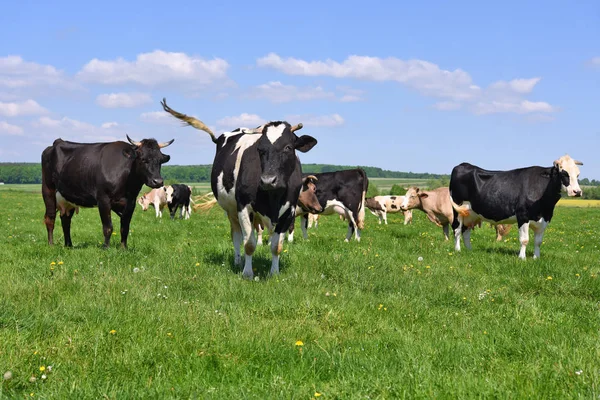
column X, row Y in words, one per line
column 261, row 263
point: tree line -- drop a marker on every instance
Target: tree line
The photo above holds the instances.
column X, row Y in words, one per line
column 21, row 173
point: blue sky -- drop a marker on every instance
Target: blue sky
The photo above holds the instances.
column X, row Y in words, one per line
column 410, row 87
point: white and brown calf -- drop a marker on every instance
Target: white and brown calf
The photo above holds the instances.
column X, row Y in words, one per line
column 380, row 206
column 156, row 197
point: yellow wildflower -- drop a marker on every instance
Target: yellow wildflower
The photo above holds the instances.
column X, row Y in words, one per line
column 42, row 368
column 52, row 263
column 299, row 343
column 197, row 264
column 317, row 394
column 549, row 278
column 112, row 332
column 60, row 263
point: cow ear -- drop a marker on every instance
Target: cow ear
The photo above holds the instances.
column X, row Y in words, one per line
column 304, row 143
column 129, row 153
column 423, row 195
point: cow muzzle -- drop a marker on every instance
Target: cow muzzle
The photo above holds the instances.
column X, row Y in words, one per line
column 268, row 182
column 156, row 183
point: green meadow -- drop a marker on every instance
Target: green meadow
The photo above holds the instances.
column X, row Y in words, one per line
column 398, row 315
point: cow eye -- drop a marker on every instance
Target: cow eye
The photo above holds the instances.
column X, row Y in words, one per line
column 288, row 148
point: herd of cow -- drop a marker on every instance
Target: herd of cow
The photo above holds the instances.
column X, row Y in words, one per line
column 257, row 179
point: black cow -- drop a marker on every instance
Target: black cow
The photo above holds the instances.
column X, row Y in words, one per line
column 526, row 196
column 104, row 175
column 256, row 171
column 178, row 195
column 341, row 192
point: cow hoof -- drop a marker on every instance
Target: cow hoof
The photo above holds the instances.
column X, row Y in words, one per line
column 346, row 240
column 248, row 276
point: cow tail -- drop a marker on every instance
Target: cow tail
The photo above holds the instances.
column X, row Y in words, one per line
column 361, row 206
column 463, row 210
column 205, row 202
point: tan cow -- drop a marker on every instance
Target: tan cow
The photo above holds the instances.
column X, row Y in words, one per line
column 156, row 197
column 381, row 205
column 438, row 207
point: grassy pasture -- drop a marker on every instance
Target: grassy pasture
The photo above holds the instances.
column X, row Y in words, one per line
column 171, row 318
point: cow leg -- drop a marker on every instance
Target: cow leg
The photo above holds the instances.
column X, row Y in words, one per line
column 49, row 196
column 126, row 222
column 446, row 229
column 524, row 239
column 291, row 231
column 107, row 227
column 276, row 246
column 538, row 228
column 259, row 232
column 66, row 226
column 457, row 233
column 467, row 238
column 304, row 226
column 248, row 240
column 384, row 217
column 157, row 209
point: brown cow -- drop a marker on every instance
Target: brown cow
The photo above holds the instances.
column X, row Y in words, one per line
column 438, row 207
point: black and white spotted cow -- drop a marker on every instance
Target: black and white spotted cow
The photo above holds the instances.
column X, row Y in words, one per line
column 256, row 171
column 179, row 196
column 526, row 196
column 341, row 192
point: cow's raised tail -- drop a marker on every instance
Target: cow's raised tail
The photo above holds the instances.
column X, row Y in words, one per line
column 195, row 122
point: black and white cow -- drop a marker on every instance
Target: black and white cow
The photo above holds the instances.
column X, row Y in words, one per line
column 179, row 196
column 104, row 175
column 341, row 192
column 526, row 196
column 256, row 171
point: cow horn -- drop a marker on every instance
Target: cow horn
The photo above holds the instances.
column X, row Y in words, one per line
column 165, row 144
column 133, row 142
column 314, row 178
column 191, row 121
column 297, row 127
column 578, row 162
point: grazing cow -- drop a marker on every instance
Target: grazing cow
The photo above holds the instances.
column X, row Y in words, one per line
column 435, row 203
column 156, row 197
column 104, row 175
column 381, row 205
column 341, row 192
column 526, row 196
column 307, row 200
column 256, row 171
column 179, row 195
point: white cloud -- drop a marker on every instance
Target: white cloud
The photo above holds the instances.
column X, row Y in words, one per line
column 20, row 78
column 328, row 121
column 447, row 105
column 109, row 125
column 243, row 120
column 75, row 130
column 595, row 61
column 158, row 117
column 277, row 92
column 154, row 69
column 456, row 86
column 123, row 100
column 9, row 129
column 28, row 107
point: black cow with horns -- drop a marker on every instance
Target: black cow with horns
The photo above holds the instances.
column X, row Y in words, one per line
column 104, row 175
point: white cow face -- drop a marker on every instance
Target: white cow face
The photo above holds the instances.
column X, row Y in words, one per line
column 169, row 192
column 569, row 174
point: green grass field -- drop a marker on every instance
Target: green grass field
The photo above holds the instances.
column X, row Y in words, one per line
column 171, row 318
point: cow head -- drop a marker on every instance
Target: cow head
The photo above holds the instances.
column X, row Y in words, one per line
column 412, row 198
column 308, row 195
column 277, row 152
column 169, row 191
column 569, row 173
column 148, row 158
column 144, row 202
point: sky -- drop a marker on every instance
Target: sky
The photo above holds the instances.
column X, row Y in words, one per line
column 404, row 86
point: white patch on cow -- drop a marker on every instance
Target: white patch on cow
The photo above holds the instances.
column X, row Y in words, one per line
column 524, row 239
column 284, row 208
column 274, row 132
column 276, row 244
column 538, row 227
column 226, row 199
column 63, row 205
column 248, row 240
column 242, row 144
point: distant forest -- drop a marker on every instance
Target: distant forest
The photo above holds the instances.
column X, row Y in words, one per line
column 20, row 173
column 32, row 172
